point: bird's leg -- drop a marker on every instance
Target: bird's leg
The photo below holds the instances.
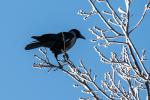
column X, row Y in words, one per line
column 66, row 56
column 58, row 61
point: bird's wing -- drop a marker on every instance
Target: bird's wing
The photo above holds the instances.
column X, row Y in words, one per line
column 64, row 37
column 55, row 41
column 46, row 38
column 59, row 43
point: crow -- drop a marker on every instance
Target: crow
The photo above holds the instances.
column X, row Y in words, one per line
column 58, row 43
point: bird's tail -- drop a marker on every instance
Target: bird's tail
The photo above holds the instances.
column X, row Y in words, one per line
column 33, row 45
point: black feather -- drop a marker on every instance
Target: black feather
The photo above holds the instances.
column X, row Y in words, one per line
column 33, row 45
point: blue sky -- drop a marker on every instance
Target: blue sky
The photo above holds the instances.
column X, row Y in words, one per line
column 19, row 20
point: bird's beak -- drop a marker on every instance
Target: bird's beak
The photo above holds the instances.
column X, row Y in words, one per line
column 82, row 37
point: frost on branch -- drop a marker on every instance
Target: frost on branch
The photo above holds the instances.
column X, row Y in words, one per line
column 80, row 74
column 129, row 76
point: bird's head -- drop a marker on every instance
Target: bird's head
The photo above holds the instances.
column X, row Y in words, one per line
column 77, row 32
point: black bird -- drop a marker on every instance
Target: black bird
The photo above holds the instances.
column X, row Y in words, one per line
column 58, row 43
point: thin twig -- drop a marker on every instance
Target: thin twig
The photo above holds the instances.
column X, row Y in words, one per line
column 142, row 17
column 103, row 19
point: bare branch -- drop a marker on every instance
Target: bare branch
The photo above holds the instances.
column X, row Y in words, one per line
column 102, row 17
column 142, row 17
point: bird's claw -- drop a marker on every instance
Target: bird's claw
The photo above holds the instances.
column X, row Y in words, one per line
column 65, row 56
